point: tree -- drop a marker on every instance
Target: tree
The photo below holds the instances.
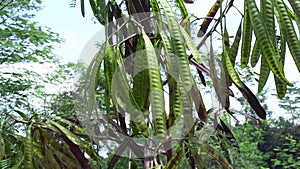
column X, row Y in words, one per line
column 147, row 54
column 281, row 135
column 28, row 139
column 290, row 104
column 23, row 40
column 274, row 142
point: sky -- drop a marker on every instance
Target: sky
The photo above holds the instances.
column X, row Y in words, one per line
column 78, row 30
column 71, row 26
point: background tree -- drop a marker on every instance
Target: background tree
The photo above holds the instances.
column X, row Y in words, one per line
column 27, row 139
column 22, row 39
column 280, row 136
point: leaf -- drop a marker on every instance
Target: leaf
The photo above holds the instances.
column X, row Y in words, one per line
column 109, row 70
column 66, row 132
column 94, row 6
column 201, row 76
column 199, row 103
column 281, row 87
column 182, row 8
column 187, row 112
column 17, row 165
column 198, row 159
column 73, row 138
column 267, row 12
column 5, row 163
column 91, row 78
column 218, row 83
column 63, row 157
column 100, row 10
column 224, row 71
column 184, row 13
column 68, row 123
column 229, row 135
column 23, row 115
column 63, row 154
column 189, row 1
column 124, row 98
column 226, row 38
column 172, row 63
column 155, row 7
column 141, row 87
column 52, row 161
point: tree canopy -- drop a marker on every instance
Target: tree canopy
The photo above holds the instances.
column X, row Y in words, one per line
column 22, row 39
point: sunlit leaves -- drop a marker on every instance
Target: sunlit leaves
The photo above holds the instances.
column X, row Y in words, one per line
column 22, row 39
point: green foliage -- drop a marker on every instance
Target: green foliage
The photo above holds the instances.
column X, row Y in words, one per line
column 123, row 162
column 270, row 144
column 290, row 103
column 278, row 136
column 249, row 137
column 289, row 156
column 24, row 44
column 22, row 39
column 27, row 138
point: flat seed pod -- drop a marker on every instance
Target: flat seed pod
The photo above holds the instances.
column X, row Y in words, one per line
column 267, row 47
column 156, row 91
column 246, row 36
